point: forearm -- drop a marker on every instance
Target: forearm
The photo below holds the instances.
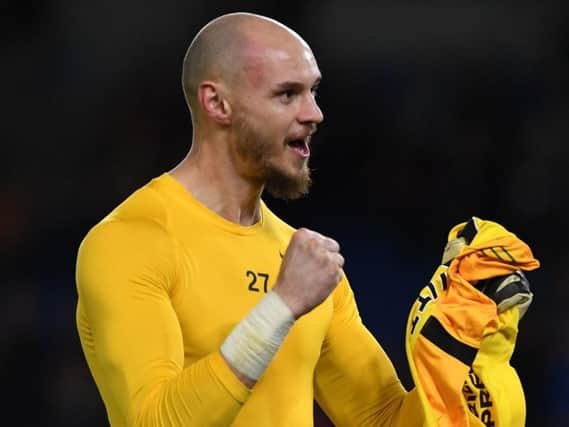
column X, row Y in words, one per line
column 357, row 384
column 212, row 390
column 206, row 393
column 355, row 381
column 254, row 341
column 409, row 413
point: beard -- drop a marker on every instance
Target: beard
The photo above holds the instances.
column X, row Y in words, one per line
column 256, row 152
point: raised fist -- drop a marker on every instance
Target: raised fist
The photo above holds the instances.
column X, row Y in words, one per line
column 311, row 269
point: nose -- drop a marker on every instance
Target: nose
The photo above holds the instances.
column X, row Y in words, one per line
column 310, row 112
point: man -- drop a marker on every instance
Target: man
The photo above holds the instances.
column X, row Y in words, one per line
column 197, row 305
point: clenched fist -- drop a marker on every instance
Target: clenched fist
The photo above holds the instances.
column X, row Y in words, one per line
column 311, row 269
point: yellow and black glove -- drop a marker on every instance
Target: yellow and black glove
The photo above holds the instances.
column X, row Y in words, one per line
column 462, row 329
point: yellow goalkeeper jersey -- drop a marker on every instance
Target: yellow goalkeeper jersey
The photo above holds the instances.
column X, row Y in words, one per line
column 162, row 281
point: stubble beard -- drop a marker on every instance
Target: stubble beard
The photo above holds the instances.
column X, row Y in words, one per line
column 256, row 152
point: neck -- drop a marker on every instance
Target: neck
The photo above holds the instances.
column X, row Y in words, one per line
column 211, row 177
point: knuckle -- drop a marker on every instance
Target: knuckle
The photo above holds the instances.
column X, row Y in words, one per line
column 312, row 245
column 333, row 269
column 300, row 234
column 334, row 244
column 328, row 257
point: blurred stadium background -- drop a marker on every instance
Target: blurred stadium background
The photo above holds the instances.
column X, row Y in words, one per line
column 434, row 111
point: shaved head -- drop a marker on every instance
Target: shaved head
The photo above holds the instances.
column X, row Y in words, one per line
column 250, row 83
column 223, row 48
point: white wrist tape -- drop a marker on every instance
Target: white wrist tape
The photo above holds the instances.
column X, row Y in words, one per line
column 255, row 340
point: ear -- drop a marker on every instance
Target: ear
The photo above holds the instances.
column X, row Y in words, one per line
column 213, row 102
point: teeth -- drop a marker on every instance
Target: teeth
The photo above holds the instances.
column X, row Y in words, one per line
column 296, row 142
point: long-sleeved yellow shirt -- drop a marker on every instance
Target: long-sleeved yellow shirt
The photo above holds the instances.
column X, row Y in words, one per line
column 162, row 281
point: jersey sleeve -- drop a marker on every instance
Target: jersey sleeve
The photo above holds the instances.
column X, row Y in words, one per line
column 355, row 382
column 126, row 272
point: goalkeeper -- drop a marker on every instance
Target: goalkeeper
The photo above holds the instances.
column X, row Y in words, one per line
column 197, row 305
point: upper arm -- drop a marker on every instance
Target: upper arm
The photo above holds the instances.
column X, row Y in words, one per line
column 131, row 335
column 125, row 271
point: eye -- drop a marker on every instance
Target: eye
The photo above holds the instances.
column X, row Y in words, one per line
column 314, row 91
column 286, row 95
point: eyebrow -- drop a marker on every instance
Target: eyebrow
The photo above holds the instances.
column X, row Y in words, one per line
column 296, row 85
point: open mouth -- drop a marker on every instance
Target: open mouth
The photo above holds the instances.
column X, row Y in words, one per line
column 300, row 146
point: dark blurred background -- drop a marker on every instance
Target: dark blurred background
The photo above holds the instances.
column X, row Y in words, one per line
column 434, row 111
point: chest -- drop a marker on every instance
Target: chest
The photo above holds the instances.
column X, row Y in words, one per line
column 222, row 278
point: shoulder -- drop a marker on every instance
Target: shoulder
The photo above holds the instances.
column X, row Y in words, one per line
column 143, row 212
column 114, row 235
column 134, row 234
column 274, row 222
column 146, row 204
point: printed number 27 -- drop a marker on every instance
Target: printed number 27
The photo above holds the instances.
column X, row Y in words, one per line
column 254, row 276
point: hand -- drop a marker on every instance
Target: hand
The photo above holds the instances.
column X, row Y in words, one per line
column 310, row 271
column 508, row 291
